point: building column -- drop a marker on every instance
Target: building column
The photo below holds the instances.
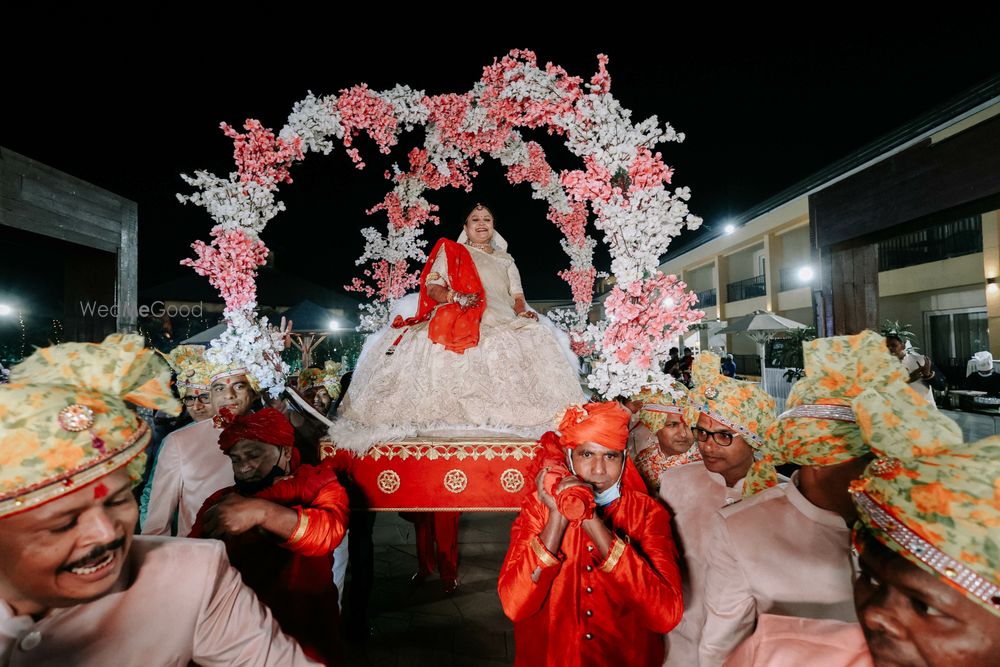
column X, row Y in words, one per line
column 772, row 264
column 991, row 269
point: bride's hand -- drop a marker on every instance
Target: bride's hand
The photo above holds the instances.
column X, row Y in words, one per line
column 528, row 314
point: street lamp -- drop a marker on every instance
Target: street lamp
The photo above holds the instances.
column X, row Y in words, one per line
column 729, row 229
column 6, row 310
column 333, row 325
column 805, row 274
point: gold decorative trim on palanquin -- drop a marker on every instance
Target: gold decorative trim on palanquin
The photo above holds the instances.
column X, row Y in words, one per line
column 454, row 451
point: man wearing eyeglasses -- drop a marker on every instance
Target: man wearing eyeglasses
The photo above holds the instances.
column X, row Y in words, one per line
column 728, row 418
column 190, row 467
column 784, row 551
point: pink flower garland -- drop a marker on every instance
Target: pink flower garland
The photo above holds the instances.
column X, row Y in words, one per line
column 361, row 110
column 230, row 263
column 260, row 157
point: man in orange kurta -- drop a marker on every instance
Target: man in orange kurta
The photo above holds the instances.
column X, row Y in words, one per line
column 602, row 589
column 281, row 523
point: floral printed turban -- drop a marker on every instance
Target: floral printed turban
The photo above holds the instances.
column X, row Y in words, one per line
column 192, row 370
column 65, row 419
column 818, row 426
column 742, row 406
column 657, row 403
column 327, row 377
column 930, row 497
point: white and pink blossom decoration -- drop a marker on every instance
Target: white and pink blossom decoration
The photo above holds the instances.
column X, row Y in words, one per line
column 623, row 183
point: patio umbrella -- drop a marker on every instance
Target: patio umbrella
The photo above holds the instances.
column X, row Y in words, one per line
column 761, row 326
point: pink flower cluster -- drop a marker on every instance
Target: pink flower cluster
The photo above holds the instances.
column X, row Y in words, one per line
column 260, row 156
column 411, row 217
column 536, row 171
column 573, row 224
column 362, row 110
column 648, row 171
column 392, row 281
column 230, row 264
column 600, row 83
column 458, row 176
column 447, row 114
column 581, row 281
column 529, row 112
column 593, row 184
column 644, row 314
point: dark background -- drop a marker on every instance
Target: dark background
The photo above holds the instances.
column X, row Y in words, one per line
column 762, row 107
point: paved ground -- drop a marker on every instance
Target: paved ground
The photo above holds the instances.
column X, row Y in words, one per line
column 423, row 626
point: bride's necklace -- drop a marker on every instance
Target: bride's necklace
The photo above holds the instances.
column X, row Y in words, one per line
column 485, row 247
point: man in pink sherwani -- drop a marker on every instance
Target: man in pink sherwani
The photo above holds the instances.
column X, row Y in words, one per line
column 76, row 588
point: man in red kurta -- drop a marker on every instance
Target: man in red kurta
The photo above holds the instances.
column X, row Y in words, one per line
column 602, row 589
column 281, row 523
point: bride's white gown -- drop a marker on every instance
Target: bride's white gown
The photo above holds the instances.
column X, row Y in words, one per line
column 518, row 380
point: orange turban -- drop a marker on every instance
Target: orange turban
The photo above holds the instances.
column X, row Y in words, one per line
column 603, row 423
column 267, row 425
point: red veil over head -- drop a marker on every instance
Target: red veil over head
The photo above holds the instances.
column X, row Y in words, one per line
column 451, row 325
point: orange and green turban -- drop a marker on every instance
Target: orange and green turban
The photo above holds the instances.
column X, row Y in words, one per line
column 193, row 371
column 658, row 402
column 66, row 418
column 930, row 497
column 742, row 406
column 818, row 427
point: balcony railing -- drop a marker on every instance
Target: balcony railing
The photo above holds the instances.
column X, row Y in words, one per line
column 707, row 298
column 746, row 289
column 952, row 239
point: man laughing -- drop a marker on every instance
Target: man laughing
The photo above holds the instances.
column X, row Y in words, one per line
column 75, row 586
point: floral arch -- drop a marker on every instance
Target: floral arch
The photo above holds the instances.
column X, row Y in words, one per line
column 622, row 184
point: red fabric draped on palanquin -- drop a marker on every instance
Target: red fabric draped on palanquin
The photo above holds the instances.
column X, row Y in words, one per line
column 488, row 474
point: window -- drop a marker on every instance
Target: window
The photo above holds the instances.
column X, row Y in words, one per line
column 953, row 336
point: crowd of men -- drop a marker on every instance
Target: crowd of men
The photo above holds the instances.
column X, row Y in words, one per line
column 680, row 526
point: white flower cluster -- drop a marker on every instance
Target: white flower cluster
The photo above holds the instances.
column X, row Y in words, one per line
column 234, row 205
column 314, row 120
column 374, row 316
column 396, row 245
column 408, row 107
column 614, row 379
column 252, row 344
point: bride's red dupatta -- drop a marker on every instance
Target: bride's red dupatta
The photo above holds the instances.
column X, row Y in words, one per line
column 450, row 325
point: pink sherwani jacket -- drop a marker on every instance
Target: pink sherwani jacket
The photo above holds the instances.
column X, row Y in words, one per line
column 776, row 553
column 693, row 495
column 177, row 602
column 786, row 641
column 189, row 468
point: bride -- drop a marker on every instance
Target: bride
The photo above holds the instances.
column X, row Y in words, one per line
column 473, row 360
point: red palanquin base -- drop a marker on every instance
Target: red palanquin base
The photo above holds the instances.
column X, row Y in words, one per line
column 434, row 474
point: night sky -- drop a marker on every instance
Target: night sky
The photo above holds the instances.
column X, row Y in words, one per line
column 761, row 109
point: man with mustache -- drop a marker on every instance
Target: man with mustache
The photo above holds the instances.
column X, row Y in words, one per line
column 598, row 588
column 281, row 522
column 189, row 467
column 76, row 588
